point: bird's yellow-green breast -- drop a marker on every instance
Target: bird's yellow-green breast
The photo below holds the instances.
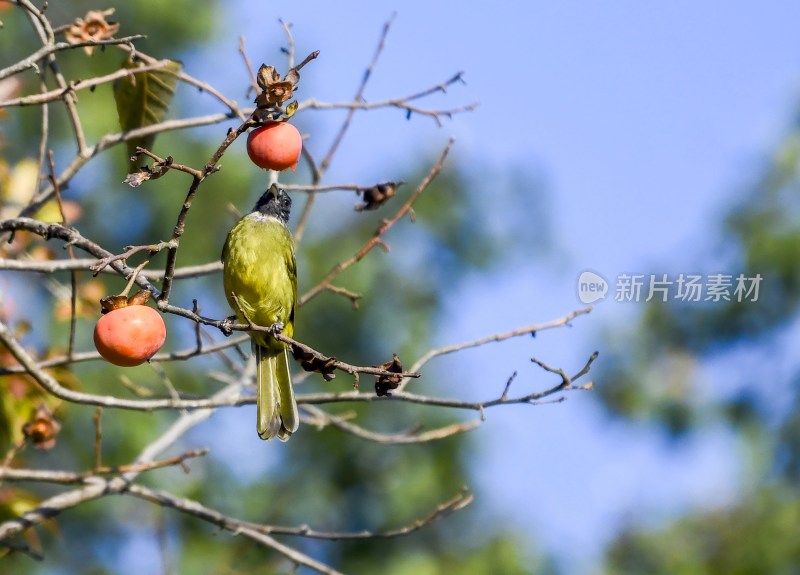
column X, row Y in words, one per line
column 260, row 268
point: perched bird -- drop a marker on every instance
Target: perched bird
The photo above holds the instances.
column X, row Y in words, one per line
column 259, row 268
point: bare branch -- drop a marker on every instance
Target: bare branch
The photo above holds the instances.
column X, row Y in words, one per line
column 45, row 32
column 400, row 103
column 235, row 111
column 71, row 478
column 566, row 381
column 334, row 187
column 251, row 531
column 53, row 95
column 323, row 418
column 527, row 330
column 152, row 249
column 48, row 49
column 22, row 548
column 287, row 29
column 160, row 357
column 50, row 266
column 358, row 98
column 113, row 139
column 455, row 503
column 180, row 224
column 72, row 237
column 96, row 487
column 51, row 385
column 248, row 65
column 378, row 235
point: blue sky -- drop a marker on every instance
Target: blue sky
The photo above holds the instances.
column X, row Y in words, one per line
column 642, row 119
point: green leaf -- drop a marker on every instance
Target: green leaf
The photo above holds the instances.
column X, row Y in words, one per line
column 143, row 99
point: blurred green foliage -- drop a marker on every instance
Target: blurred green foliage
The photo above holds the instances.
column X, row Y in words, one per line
column 660, row 379
column 753, row 538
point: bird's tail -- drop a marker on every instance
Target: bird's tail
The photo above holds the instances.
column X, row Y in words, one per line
column 277, row 408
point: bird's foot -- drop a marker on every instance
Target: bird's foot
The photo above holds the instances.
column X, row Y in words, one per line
column 276, row 328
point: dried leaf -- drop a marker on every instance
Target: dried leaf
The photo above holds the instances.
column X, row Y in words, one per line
column 386, row 383
column 137, row 178
column 140, row 297
column 93, row 26
column 310, row 362
column 143, row 99
column 378, row 195
column 292, row 76
column 267, row 75
column 113, row 302
column 42, row 428
column 274, row 91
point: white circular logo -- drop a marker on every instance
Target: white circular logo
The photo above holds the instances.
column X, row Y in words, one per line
column 591, row 287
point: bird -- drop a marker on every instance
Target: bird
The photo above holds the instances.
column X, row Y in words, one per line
column 260, row 281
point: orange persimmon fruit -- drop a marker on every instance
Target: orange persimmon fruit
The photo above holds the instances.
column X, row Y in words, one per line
column 129, row 335
column 275, row 146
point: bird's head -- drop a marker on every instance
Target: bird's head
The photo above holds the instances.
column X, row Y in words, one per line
column 275, row 202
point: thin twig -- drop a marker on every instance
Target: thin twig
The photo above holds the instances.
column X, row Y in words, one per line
column 248, row 65
column 58, row 94
column 96, row 487
column 377, row 237
column 287, row 29
column 316, row 178
column 334, row 187
column 51, row 266
column 358, row 98
column 160, row 357
column 527, row 330
column 566, row 381
column 98, row 437
column 22, row 548
column 401, row 103
column 73, row 276
column 45, row 32
column 323, row 418
column 192, row 81
column 52, row 386
column 180, row 224
column 221, row 520
column 48, row 49
column 110, row 140
column 455, row 503
column 70, row 236
column 71, row 477
column 152, row 249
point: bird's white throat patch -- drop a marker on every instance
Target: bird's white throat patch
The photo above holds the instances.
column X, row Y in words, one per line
column 262, row 218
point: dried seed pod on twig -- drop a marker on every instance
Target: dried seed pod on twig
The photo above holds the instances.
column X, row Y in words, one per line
column 386, row 383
